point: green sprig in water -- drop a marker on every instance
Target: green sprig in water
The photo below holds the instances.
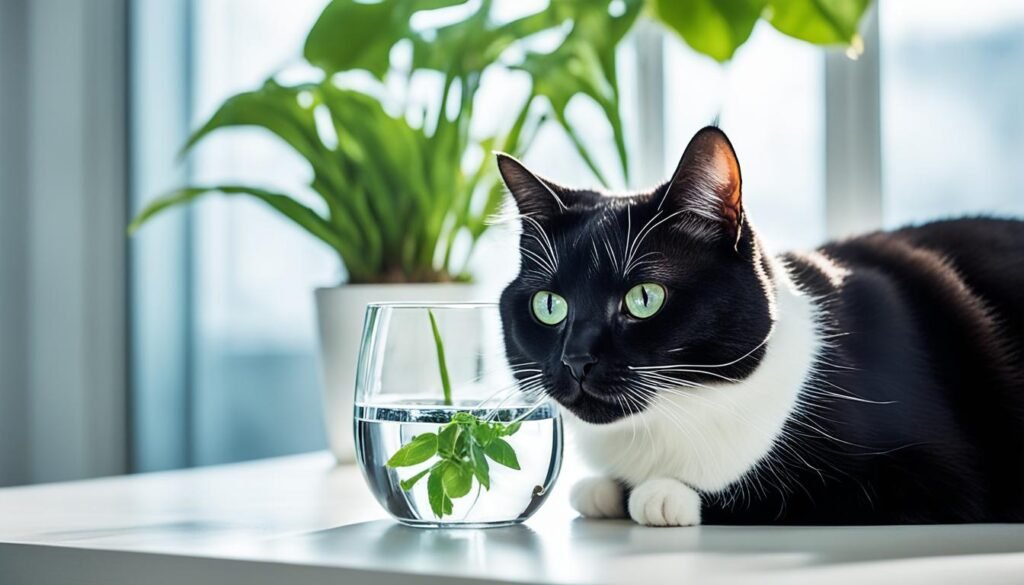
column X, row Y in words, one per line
column 462, row 447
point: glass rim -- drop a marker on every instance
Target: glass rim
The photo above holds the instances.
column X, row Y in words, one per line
column 431, row 305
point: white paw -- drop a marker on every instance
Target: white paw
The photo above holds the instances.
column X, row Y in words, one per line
column 598, row 497
column 664, row 502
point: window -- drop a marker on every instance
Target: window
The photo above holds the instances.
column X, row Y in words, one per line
column 769, row 100
column 255, row 389
column 952, row 121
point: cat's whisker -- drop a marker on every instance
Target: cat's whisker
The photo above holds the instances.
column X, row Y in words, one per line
column 547, row 255
column 530, row 398
column 651, row 229
column 684, row 429
column 547, row 245
column 528, row 412
column 677, row 370
column 504, row 393
column 638, row 404
column 633, row 246
column 640, row 261
column 625, row 243
column 531, row 255
column 722, row 365
column 732, row 410
column 611, row 254
column 851, row 398
column 629, row 415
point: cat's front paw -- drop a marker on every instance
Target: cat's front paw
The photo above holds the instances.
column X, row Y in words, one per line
column 598, row 497
column 664, row 502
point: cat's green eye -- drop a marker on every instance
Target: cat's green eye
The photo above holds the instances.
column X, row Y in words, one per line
column 645, row 299
column 549, row 308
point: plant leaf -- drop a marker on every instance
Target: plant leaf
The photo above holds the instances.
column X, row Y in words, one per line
column 457, row 480
column 501, row 452
column 484, row 434
column 435, row 491
column 273, row 107
column 715, row 28
column 284, row 204
column 510, row 429
column 446, row 439
column 481, row 469
column 421, row 448
column 464, row 418
column 356, row 35
column 407, row 484
column 822, row 22
column 350, row 34
column 441, row 364
column 461, row 449
column 585, row 64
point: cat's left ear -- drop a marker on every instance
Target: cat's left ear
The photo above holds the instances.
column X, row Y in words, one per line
column 534, row 196
column 707, row 183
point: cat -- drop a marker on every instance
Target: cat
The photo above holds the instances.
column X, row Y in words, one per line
column 874, row 380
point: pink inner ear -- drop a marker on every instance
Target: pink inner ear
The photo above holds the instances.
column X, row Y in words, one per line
column 726, row 173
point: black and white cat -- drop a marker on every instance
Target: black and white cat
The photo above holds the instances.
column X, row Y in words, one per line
column 878, row 379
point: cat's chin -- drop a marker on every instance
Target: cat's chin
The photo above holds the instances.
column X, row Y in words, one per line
column 591, row 407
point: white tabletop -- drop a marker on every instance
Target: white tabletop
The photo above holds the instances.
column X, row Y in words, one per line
column 299, row 520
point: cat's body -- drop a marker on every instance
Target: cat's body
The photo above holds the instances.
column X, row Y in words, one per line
column 879, row 379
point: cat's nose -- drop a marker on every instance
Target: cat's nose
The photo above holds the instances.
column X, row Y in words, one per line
column 579, row 365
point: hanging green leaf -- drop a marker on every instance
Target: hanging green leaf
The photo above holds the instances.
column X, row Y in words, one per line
column 822, row 22
column 715, row 28
column 585, row 64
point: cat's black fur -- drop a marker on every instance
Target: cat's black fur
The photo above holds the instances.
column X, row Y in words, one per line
column 925, row 328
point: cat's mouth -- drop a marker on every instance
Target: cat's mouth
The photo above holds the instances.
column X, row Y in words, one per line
column 591, row 391
column 590, row 402
column 573, row 392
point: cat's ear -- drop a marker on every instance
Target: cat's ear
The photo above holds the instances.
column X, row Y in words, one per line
column 534, row 196
column 707, row 182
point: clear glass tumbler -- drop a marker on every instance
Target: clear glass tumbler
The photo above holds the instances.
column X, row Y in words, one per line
column 447, row 433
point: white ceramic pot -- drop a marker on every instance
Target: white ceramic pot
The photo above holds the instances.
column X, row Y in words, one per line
column 340, row 313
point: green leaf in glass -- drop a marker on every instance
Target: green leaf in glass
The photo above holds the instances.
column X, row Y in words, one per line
column 457, row 480
column 501, row 452
column 420, row 449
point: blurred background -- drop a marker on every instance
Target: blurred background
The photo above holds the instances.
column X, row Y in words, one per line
column 194, row 342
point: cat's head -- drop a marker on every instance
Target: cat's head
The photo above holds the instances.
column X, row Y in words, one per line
column 620, row 297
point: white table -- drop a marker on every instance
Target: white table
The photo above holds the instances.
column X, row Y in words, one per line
column 300, row 520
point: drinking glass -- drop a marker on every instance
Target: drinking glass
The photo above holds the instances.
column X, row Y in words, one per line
column 403, row 392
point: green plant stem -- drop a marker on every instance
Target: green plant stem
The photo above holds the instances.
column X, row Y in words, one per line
column 446, row 385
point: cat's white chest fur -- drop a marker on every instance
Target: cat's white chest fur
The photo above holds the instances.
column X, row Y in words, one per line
column 708, row 438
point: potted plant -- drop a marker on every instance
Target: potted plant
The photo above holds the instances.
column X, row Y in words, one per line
column 401, row 184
